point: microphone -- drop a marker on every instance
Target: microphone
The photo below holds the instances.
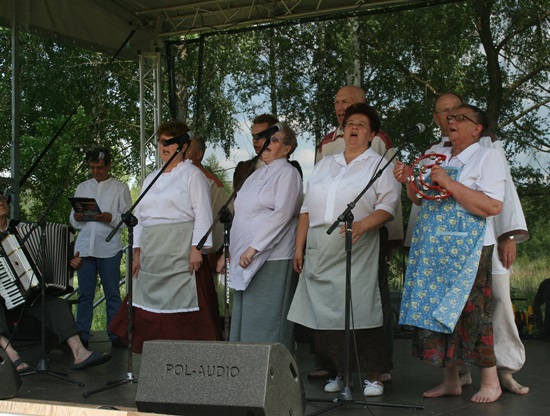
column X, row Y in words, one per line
column 419, row 128
column 94, row 155
column 267, row 133
column 179, row 140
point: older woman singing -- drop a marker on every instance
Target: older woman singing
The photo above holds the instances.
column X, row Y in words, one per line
column 262, row 247
column 447, row 293
column 173, row 286
column 319, row 302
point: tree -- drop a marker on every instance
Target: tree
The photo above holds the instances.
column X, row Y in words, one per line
column 492, row 52
column 61, row 83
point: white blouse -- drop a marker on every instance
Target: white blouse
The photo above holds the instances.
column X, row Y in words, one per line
column 482, row 170
column 181, row 195
column 266, row 212
column 333, row 184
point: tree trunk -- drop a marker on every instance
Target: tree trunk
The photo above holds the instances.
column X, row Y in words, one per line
column 273, row 71
column 356, row 75
column 483, row 24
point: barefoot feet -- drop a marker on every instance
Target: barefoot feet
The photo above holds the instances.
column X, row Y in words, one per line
column 444, row 389
column 465, row 376
column 508, row 383
column 488, row 393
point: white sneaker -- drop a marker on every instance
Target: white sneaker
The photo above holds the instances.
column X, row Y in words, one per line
column 334, row 386
column 373, row 389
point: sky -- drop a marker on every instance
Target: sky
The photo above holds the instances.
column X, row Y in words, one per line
column 304, row 153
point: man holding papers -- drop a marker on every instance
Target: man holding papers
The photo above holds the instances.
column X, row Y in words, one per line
column 99, row 256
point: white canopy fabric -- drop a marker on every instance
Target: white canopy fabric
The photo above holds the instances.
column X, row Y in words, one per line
column 104, row 25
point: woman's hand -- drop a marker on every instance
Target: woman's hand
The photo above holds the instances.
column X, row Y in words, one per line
column 357, row 230
column 439, row 175
column 298, row 261
column 247, row 257
column 195, row 260
column 402, row 172
column 135, row 262
column 220, row 265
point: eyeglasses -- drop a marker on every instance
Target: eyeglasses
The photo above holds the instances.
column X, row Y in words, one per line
column 460, row 117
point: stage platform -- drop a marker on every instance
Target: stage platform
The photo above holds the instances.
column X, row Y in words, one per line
column 410, row 379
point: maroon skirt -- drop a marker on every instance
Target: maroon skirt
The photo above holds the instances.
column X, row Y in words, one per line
column 201, row 325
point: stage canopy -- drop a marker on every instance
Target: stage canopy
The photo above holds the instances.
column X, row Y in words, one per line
column 104, row 25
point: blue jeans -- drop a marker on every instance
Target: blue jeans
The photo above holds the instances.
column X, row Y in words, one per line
column 109, row 273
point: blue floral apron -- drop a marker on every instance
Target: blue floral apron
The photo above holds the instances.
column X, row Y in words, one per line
column 443, row 262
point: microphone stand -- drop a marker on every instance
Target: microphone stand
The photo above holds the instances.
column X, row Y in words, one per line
column 42, row 366
column 225, row 217
column 345, row 397
column 131, row 221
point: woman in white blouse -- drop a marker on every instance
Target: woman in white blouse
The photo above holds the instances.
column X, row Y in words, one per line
column 453, row 325
column 173, row 287
column 319, row 302
column 262, row 246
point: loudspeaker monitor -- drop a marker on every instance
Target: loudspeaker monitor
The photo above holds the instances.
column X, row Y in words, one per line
column 10, row 379
column 198, row 378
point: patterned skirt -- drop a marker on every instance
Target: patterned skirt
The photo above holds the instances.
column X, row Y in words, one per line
column 471, row 342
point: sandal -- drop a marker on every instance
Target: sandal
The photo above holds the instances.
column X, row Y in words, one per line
column 20, row 362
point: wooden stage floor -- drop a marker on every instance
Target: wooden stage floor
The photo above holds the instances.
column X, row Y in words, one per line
column 410, row 379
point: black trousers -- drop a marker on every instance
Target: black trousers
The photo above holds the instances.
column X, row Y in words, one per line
column 58, row 318
column 543, row 298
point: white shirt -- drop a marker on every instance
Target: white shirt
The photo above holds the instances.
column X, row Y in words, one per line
column 334, row 183
column 338, row 145
column 112, row 196
column 181, row 195
column 266, row 216
column 482, row 170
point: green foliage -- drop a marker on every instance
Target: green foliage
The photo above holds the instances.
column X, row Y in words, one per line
column 212, row 164
column 61, row 84
column 533, row 190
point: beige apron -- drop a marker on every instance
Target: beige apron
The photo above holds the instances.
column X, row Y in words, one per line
column 164, row 284
column 320, row 296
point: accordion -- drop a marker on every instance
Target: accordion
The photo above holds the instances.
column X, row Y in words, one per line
column 22, row 270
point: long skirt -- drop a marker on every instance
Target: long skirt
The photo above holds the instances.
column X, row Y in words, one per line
column 201, row 325
column 372, row 350
column 471, row 342
column 259, row 312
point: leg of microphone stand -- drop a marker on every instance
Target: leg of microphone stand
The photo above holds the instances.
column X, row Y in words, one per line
column 345, row 395
column 42, row 366
column 226, row 218
column 130, row 221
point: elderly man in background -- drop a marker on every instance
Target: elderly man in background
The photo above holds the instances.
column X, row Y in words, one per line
column 195, row 153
